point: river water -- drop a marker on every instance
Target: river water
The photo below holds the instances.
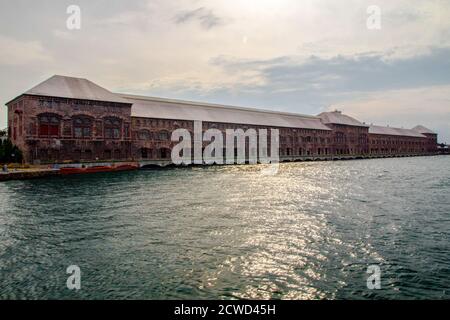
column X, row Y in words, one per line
column 309, row 232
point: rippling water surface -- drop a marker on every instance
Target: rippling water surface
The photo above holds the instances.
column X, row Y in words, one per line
column 309, row 232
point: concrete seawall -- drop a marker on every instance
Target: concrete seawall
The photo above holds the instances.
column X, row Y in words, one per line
column 28, row 174
column 154, row 164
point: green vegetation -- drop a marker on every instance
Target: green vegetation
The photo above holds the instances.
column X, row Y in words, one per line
column 9, row 153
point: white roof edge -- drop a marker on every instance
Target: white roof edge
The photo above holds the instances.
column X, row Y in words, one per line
column 339, row 118
column 214, row 105
column 387, row 131
column 423, row 130
column 73, row 88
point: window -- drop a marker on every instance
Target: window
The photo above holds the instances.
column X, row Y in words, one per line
column 340, row 137
column 49, row 125
column 112, row 128
column 163, row 135
column 82, row 127
column 86, row 155
column 144, row 135
column 146, row 153
column 164, row 153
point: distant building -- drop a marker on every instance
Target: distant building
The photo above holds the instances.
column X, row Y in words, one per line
column 443, row 148
column 72, row 119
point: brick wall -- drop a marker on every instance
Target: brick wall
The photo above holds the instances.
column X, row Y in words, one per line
column 53, row 129
column 44, row 129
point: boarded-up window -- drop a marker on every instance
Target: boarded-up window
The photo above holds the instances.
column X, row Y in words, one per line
column 112, row 128
column 49, row 126
column 144, row 135
column 82, row 127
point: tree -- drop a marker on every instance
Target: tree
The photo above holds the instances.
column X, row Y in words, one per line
column 10, row 153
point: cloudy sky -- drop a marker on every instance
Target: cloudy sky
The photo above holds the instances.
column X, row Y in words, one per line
column 302, row 56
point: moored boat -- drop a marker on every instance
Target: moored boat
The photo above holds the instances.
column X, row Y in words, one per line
column 96, row 169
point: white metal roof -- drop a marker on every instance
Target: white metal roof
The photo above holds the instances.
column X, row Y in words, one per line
column 74, row 88
column 150, row 107
column 422, row 129
column 395, row 131
column 336, row 117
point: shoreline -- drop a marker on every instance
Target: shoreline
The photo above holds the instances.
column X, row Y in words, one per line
column 36, row 173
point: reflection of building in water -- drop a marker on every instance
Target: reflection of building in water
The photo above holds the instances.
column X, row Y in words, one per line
column 72, row 119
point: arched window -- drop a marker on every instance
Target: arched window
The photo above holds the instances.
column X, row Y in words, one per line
column 144, row 135
column 340, row 137
column 164, row 153
column 146, row 153
column 49, row 125
column 113, row 128
column 82, row 127
column 163, row 135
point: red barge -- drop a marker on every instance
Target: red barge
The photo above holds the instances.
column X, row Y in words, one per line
column 68, row 171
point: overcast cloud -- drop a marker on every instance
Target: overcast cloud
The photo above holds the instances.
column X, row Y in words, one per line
column 300, row 56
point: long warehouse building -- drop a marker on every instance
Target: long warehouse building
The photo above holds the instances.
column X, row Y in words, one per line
column 67, row 119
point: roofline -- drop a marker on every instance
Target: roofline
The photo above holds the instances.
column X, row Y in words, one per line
column 361, row 125
column 424, row 132
column 375, row 125
column 239, row 123
column 423, row 129
column 19, row 96
column 49, row 96
column 395, row 128
column 397, row 135
column 25, row 92
column 214, row 105
column 350, row 125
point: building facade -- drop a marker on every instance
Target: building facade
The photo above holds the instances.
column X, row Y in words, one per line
column 66, row 119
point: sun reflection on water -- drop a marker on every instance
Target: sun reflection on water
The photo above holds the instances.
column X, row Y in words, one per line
column 308, row 232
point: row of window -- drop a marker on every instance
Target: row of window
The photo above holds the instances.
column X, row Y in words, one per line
column 161, row 123
column 393, row 151
column 49, row 126
column 320, row 152
column 147, row 135
column 162, row 153
column 51, row 154
column 141, row 122
column 397, row 142
column 51, row 103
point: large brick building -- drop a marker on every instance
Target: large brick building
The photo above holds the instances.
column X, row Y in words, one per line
column 68, row 119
